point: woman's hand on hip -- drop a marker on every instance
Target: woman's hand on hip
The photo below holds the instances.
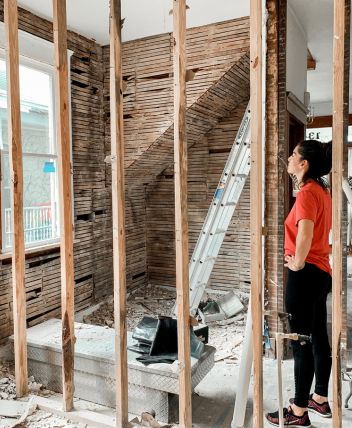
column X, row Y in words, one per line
column 292, row 265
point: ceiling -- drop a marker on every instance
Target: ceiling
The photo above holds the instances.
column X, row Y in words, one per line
column 143, row 17
column 316, row 19
column 149, row 17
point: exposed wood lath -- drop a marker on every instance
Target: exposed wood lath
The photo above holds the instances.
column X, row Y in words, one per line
column 206, row 160
column 147, row 69
column 216, row 103
column 212, row 52
column 148, row 113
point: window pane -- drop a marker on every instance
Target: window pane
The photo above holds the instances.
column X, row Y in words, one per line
column 36, row 110
column 325, row 134
column 39, row 169
column 40, row 207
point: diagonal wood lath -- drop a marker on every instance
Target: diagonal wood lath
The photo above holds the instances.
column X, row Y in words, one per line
column 216, row 103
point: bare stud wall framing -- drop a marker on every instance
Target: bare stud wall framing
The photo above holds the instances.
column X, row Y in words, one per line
column 92, row 214
column 256, row 204
column 148, row 88
column 16, row 171
column 217, row 54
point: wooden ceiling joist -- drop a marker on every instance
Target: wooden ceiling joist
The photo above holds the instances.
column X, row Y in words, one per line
column 311, row 62
column 118, row 214
column 16, row 172
column 65, row 190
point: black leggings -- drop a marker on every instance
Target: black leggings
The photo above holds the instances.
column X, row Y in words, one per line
column 306, row 294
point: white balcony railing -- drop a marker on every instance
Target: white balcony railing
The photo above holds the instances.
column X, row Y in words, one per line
column 37, row 222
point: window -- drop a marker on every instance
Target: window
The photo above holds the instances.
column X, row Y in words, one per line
column 41, row 198
column 325, row 134
column 40, row 179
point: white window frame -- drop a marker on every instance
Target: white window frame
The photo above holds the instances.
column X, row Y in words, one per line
column 38, row 54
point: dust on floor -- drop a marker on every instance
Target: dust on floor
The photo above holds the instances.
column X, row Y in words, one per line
column 38, row 419
column 226, row 336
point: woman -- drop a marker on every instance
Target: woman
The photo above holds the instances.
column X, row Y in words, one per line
column 307, row 230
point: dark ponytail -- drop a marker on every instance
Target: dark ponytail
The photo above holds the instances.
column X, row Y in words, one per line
column 319, row 157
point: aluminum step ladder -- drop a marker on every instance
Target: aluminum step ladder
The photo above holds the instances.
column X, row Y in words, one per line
column 220, row 213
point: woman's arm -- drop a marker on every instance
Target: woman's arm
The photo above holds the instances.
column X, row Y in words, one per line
column 303, row 244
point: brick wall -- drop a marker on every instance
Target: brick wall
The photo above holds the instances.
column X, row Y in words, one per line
column 276, row 146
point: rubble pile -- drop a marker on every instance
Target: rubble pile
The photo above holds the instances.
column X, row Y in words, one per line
column 149, row 301
column 225, row 335
column 41, row 419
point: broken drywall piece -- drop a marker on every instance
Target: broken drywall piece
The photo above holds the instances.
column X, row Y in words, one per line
column 14, row 409
column 230, row 304
column 11, row 408
column 224, row 308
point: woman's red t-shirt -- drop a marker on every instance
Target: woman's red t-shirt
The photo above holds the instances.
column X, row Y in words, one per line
column 312, row 203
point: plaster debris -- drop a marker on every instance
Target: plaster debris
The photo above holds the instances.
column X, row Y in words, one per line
column 148, row 420
column 226, row 335
column 42, row 419
column 150, row 300
column 11, row 408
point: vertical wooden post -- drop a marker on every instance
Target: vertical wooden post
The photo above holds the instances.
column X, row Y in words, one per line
column 181, row 214
column 16, row 172
column 65, row 171
column 339, row 135
column 256, row 205
column 118, row 213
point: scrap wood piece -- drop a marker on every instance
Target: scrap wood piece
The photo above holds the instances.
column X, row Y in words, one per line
column 145, row 307
column 222, row 355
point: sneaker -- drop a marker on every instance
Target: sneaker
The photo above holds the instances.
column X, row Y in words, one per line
column 323, row 410
column 290, row 419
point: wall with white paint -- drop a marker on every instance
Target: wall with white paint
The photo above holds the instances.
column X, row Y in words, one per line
column 325, row 108
column 296, row 56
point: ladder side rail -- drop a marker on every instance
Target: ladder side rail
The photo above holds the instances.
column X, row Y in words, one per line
column 225, row 216
column 217, row 204
column 220, row 212
column 201, row 272
column 236, row 151
column 203, row 279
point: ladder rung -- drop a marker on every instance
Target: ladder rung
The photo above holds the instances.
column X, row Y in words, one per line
column 218, row 219
column 202, row 284
column 217, row 232
column 239, row 175
column 207, row 259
